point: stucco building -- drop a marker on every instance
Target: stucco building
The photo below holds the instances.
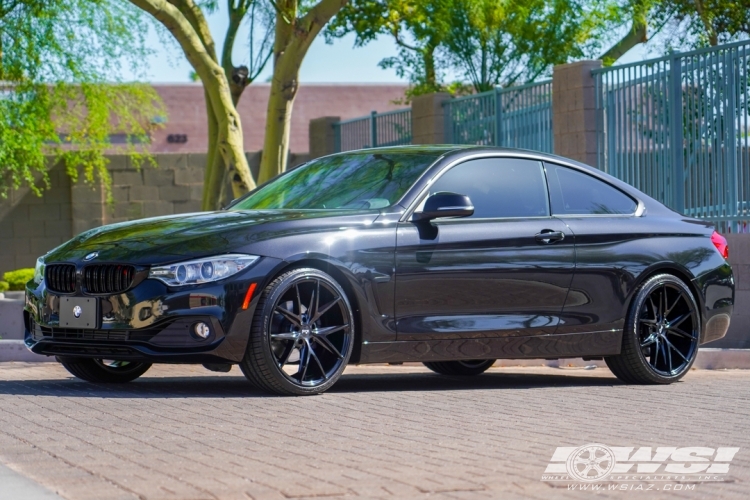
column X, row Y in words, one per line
column 187, row 112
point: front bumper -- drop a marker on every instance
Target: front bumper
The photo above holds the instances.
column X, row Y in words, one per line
column 152, row 322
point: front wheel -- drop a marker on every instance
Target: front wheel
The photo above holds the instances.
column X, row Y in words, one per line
column 461, row 368
column 106, row 371
column 661, row 336
column 302, row 334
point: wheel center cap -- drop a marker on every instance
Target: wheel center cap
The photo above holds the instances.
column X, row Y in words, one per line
column 305, row 331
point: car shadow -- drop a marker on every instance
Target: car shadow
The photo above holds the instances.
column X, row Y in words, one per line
column 237, row 386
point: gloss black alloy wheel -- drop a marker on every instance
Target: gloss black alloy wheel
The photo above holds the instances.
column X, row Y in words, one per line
column 662, row 333
column 466, row 367
column 105, row 371
column 302, row 334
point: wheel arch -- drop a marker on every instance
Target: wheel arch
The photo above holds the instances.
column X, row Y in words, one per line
column 676, row 270
column 346, row 283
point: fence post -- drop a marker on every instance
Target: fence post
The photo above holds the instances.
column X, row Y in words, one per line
column 676, row 135
column 731, row 145
column 325, row 136
column 498, row 117
column 374, row 129
column 428, row 118
column 574, row 111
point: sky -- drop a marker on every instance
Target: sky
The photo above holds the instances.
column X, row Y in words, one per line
column 339, row 62
column 324, row 63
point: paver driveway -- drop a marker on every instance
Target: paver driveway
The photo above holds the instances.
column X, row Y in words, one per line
column 381, row 432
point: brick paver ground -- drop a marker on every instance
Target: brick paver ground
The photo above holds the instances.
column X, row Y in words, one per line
column 381, row 432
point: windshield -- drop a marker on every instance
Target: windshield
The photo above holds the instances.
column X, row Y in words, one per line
column 351, row 181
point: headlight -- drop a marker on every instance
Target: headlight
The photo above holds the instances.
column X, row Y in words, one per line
column 39, row 270
column 195, row 272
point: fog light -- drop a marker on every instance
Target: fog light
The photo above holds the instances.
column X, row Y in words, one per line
column 201, row 330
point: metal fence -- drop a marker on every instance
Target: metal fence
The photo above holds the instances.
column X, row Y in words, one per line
column 677, row 128
column 516, row 117
column 392, row 128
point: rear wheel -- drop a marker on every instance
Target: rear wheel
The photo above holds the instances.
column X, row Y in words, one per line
column 661, row 336
column 106, row 371
column 302, row 334
column 461, row 368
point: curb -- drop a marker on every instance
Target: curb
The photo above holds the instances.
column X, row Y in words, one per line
column 15, row 350
column 17, row 486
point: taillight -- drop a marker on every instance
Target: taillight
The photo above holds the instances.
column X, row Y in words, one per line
column 721, row 244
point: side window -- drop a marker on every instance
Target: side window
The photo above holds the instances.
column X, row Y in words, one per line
column 498, row 187
column 575, row 193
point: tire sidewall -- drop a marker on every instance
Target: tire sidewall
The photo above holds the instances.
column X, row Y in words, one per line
column 633, row 335
column 272, row 295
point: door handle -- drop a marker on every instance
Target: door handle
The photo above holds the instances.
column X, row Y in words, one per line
column 548, row 236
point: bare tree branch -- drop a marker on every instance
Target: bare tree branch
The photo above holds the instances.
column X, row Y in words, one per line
column 195, row 17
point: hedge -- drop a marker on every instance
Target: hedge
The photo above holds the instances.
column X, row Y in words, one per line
column 17, row 279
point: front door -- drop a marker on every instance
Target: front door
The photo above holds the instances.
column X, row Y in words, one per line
column 493, row 274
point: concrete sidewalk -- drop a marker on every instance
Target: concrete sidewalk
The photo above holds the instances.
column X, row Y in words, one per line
column 14, row 486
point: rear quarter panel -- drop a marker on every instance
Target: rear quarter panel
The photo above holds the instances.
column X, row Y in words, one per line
column 615, row 255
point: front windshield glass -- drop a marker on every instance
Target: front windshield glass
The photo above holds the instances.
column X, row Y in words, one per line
column 350, row 181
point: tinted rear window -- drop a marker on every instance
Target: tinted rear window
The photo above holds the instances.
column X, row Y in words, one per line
column 575, row 193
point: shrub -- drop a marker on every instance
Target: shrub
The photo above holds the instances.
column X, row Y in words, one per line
column 4, row 286
column 17, row 279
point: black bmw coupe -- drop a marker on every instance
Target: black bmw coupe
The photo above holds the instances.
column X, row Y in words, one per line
column 446, row 255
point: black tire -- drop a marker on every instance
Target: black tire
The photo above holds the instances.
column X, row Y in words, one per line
column 104, row 371
column 283, row 324
column 461, row 368
column 661, row 335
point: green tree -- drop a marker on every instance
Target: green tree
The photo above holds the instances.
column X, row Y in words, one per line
column 637, row 12
column 227, row 172
column 55, row 59
column 486, row 42
column 700, row 23
column 297, row 25
column 510, row 42
column 418, row 27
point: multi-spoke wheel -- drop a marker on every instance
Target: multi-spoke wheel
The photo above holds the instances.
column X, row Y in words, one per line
column 661, row 335
column 108, row 371
column 465, row 367
column 302, row 334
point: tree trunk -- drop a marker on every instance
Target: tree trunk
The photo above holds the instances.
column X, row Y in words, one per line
column 210, row 196
column 293, row 37
column 278, row 123
column 637, row 34
column 713, row 38
column 429, row 67
column 185, row 21
column 226, row 161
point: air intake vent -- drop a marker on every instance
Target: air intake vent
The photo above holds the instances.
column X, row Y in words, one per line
column 107, row 278
column 61, row 278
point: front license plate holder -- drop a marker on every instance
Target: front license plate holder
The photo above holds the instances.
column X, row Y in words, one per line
column 79, row 312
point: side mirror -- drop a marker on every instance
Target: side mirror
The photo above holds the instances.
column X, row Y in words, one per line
column 445, row 205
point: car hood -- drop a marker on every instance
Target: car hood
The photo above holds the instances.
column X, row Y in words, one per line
column 162, row 240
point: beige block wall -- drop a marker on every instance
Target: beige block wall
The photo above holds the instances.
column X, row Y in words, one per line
column 30, row 226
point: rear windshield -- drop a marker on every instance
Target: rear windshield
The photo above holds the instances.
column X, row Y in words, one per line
column 349, row 181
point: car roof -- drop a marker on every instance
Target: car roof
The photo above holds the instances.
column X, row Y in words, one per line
column 438, row 150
